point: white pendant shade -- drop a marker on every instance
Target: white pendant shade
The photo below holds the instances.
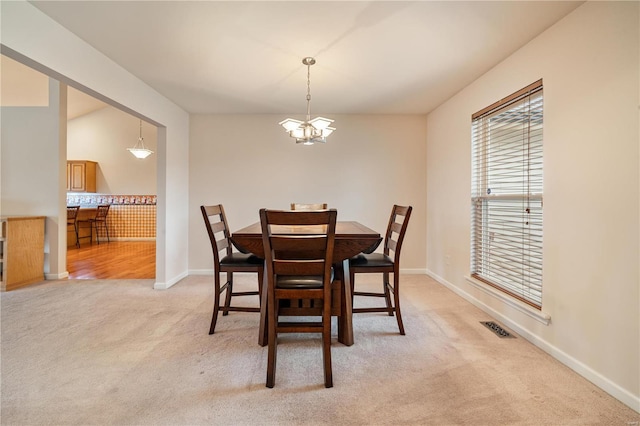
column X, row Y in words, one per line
column 140, row 152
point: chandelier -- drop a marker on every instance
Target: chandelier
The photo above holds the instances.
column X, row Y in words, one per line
column 310, row 131
column 139, row 150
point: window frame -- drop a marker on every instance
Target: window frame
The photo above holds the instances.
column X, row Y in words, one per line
column 498, row 266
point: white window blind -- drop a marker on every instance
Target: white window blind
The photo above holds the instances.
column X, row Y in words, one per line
column 506, row 195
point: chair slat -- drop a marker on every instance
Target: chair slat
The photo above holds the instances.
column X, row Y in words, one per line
column 306, row 206
column 299, row 242
column 212, row 210
column 302, row 217
column 218, row 227
column 396, row 227
column 298, row 267
column 402, row 210
column 222, row 244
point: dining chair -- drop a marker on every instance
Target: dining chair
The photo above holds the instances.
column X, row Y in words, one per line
column 299, row 278
column 225, row 260
column 100, row 219
column 386, row 264
column 304, row 206
column 72, row 220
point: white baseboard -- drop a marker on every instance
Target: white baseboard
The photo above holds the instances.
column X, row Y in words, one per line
column 164, row 286
column 60, row 276
column 613, row 389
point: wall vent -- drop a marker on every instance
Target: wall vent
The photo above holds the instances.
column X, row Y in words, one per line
column 497, row 329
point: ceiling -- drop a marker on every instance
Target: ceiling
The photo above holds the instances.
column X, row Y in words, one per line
column 24, row 86
column 241, row 57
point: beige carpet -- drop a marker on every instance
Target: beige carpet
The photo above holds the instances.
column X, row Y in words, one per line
column 119, row 352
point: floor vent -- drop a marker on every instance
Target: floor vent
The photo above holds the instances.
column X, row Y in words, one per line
column 497, row 329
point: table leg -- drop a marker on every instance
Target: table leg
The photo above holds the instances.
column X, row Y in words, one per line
column 345, row 320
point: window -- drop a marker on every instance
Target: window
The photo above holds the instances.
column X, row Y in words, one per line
column 506, row 195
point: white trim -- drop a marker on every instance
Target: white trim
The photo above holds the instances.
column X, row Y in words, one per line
column 604, row 383
column 164, row 286
column 60, row 276
column 513, row 303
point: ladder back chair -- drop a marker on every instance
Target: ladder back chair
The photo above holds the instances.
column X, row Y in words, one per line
column 298, row 269
column 72, row 220
column 225, row 260
column 303, row 206
column 385, row 263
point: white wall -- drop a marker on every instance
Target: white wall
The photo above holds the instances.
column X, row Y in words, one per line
column 31, row 37
column 589, row 63
column 104, row 136
column 247, row 162
column 30, row 179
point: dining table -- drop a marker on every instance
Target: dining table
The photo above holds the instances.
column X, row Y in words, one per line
column 352, row 238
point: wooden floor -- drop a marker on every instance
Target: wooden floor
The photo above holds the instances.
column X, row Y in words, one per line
column 114, row 260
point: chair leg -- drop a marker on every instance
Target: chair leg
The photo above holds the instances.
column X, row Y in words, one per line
column 90, row 231
column 216, row 301
column 326, row 344
column 396, row 296
column 352, row 280
column 273, row 339
column 106, row 229
column 95, row 225
column 75, row 228
column 387, row 295
column 263, row 333
column 227, row 298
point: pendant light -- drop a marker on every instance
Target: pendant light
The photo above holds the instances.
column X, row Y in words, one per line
column 310, row 131
column 139, row 150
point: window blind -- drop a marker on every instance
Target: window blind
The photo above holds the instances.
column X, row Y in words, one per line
column 506, row 195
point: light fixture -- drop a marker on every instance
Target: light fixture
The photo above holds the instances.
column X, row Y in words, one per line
column 139, row 150
column 310, row 131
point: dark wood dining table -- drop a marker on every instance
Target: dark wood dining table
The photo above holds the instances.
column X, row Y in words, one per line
column 351, row 239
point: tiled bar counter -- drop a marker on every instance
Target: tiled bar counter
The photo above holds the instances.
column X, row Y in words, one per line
column 131, row 217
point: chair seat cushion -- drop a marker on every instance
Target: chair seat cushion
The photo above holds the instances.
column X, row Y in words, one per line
column 240, row 259
column 300, row 281
column 372, row 260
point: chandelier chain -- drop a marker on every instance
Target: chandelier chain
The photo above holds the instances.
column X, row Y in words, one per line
column 308, row 92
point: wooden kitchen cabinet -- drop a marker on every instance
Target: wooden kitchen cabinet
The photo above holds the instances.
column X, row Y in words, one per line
column 21, row 251
column 81, row 176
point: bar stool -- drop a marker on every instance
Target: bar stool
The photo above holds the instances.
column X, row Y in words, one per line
column 72, row 220
column 100, row 219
